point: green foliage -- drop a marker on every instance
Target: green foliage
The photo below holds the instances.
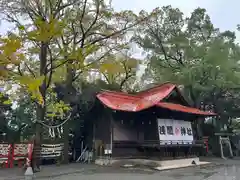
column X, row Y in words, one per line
column 19, row 122
column 189, row 51
column 59, row 41
column 45, row 30
column 5, row 103
column 119, row 69
column 56, row 108
column 192, row 52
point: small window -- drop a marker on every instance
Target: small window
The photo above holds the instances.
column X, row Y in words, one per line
column 189, row 131
column 183, row 131
column 170, row 130
column 162, row 130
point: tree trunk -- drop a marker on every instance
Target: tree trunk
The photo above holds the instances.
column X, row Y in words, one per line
column 196, row 104
column 41, row 109
column 66, row 143
column 193, row 97
column 68, row 94
column 37, row 139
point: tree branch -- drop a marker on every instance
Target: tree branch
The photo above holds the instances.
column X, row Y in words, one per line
column 57, row 66
column 117, row 32
column 51, row 69
column 59, row 7
column 90, row 27
column 167, row 57
column 81, row 24
column 89, row 64
column 128, row 74
column 30, row 70
column 19, row 71
column 106, row 77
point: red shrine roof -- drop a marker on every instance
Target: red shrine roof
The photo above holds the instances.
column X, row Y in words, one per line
column 146, row 99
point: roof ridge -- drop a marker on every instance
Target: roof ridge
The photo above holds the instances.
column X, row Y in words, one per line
column 155, row 87
column 138, row 95
column 118, row 92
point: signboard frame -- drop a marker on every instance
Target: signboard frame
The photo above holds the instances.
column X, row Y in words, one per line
column 171, row 131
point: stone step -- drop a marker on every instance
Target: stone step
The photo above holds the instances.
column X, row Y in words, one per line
column 153, row 164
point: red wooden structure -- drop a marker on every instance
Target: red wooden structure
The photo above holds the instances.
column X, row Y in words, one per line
column 22, row 153
column 5, row 154
column 19, row 154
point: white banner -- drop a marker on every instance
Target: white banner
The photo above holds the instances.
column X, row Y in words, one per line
column 174, row 131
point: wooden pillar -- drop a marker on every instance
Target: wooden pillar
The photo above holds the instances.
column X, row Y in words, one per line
column 111, row 132
column 110, row 120
column 109, row 145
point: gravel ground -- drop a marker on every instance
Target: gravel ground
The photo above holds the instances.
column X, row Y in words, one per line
column 223, row 172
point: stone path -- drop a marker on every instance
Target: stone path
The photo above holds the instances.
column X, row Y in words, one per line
column 46, row 171
column 220, row 170
column 207, row 173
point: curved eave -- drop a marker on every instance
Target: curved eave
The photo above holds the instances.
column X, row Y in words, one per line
column 136, row 104
column 185, row 109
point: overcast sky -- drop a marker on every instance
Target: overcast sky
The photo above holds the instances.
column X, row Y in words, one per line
column 224, row 13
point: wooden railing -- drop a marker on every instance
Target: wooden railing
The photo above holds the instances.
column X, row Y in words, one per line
column 5, row 153
column 9, row 154
column 172, row 143
column 157, row 143
column 158, row 149
column 19, row 154
column 49, row 151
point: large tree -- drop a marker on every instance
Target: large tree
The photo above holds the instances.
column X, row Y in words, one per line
column 73, row 34
column 192, row 52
